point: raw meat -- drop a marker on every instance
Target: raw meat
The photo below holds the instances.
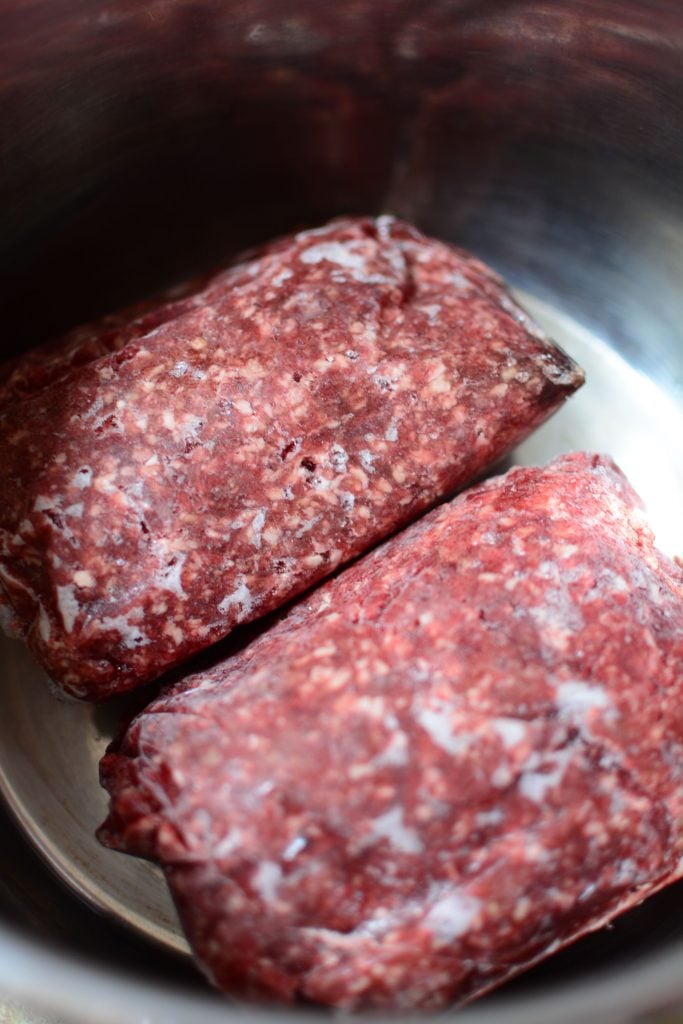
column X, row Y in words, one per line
column 307, row 403
column 460, row 754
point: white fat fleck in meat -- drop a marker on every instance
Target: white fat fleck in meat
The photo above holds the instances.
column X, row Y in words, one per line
column 171, row 563
column 171, row 576
column 502, row 776
column 626, row 872
column 68, row 605
column 240, row 598
column 136, row 489
column 535, row 784
column 395, row 258
column 587, row 891
column 75, row 510
column 459, row 281
column 180, row 369
column 608, row 582
column 576, row 697
column 104, row 483
column 43, row 503
column 256, row 530
column 294, row 848
column 347, row 500
column 321, row 483
column 44, row 626
column 385, row 224
column 518, row 546
column 131, row 636
column 431, row 312
column 492, row 817
column 510, row 730
column 228, row 844
column 374, row 707
column 84, row 578
column 303, row 236
column 558, row 618
column 339, row 458
column 243, row 406
column 192, row 428
column 282, row 276
column 344, row 254
column 391, row 826
column 452, row 915
column 266, row 880
column 83, row 478
column 335, row 252
column 391, row 433
column 307, row 526
column 96, row 406
column 395, row 753
column 436, row 721
column 174, row 632
column 367, row 460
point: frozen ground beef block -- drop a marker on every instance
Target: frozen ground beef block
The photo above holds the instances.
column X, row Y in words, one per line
column 460, row 754
column 306, row 403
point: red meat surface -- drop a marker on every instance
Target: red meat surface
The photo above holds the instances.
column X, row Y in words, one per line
column 308, row 402
column 457, row 756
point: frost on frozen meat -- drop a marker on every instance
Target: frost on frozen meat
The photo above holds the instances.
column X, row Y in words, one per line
column 460, row 754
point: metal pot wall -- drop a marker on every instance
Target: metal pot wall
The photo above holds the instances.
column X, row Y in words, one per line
column 143, row 142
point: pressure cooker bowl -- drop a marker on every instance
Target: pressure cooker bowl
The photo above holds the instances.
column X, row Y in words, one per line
column 143, row 143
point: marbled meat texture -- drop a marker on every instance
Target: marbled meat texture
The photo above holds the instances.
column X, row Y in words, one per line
column 307, row 403
column 457, row 756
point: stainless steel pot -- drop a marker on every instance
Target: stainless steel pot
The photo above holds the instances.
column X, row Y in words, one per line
column 142, row 142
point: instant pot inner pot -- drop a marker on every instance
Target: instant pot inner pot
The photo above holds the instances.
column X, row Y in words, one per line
column 146, row 142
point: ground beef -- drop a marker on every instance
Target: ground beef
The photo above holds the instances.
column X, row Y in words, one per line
column 460, row 754
column 306, row 403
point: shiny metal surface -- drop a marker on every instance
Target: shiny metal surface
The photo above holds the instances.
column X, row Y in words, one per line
column 142, row 142
column 50, row 751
